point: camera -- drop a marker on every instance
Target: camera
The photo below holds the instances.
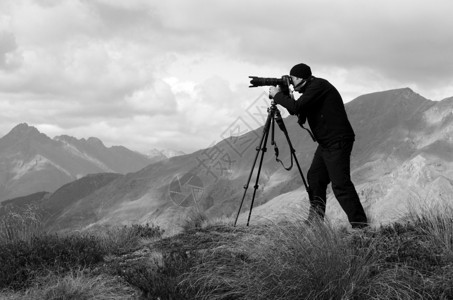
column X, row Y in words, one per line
column 283, row 82
column 263, row 81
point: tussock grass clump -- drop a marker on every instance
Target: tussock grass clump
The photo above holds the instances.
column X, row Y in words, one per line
column 157, row 278
column 195, row 219
column 22, row 261
column 436, row 222
column 296, row 261
column 123, row 239
column 20, row 224
column 293, row 261
column 76, row 285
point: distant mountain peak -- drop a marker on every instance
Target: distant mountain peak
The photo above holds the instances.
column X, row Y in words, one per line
column 406, row 90
column 24, row 132
column 95, row 142
column 24, row 129
column 92, row 141
column 448, row 100
column 407, row 93
column 388, row 99
column 65, row 138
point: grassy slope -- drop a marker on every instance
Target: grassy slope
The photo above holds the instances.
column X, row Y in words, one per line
column 411, row 260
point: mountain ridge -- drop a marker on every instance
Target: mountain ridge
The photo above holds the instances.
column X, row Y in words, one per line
column 30, row 161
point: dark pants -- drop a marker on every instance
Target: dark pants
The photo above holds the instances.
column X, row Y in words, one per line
column 332, row 164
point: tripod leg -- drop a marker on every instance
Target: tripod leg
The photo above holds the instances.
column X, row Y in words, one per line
column 264, row 149
column 261, row 146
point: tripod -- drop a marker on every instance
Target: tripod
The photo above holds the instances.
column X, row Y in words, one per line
column 272, row 117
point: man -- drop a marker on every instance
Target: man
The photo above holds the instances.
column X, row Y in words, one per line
column 323, row 107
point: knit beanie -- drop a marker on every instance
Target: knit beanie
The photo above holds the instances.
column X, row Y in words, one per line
column 300, row 71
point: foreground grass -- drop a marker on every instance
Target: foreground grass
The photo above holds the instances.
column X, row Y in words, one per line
column 76, row 285
column 408, row 260
column 401, row 261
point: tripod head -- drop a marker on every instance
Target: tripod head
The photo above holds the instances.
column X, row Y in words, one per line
column 278, row 118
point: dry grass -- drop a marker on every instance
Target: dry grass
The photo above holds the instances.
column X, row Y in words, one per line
column 436, row 223
column 123, row 239
column 211, row 259
column 195, row 219
column 297, row 261
column 16, row 226
column 293, row 261
column 76, row 285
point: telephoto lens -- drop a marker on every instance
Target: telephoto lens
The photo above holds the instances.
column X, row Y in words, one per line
column 262, row 81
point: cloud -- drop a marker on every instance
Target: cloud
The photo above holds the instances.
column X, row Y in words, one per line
column 50, row 25
column 386, row 36
column 174, row 73
column 7, row 47
column 155, row 99
column 407, row 40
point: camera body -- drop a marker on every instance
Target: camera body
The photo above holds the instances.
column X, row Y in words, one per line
column 284, row 82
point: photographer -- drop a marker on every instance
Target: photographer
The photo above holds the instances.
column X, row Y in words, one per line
column 322, row 105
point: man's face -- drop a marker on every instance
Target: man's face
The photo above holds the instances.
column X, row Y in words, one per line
column 296, row 81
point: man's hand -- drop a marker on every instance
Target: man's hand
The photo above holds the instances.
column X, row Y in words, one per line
column 273, row 90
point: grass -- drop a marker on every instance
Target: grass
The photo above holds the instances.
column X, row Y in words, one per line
column 195, row 219
column 435, row 220
column 122, row 239
column 211, row 259
column 16, row 225
column 293, row 261
column 76, row 285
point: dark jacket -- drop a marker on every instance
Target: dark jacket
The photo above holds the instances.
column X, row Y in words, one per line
column 323, row 107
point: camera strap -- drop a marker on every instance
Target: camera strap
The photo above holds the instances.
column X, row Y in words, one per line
column 309, row 132
column 279, row 160
column 301, row 121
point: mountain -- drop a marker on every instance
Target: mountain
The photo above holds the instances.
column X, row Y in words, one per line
column 23, row 202
column 32, row 162
column 50, row 205
column 55, row 204
column 401, row 161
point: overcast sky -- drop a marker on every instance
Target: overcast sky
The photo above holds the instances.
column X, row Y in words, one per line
column 174, row 73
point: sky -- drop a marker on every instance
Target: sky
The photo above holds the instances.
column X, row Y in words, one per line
column 173, row 74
